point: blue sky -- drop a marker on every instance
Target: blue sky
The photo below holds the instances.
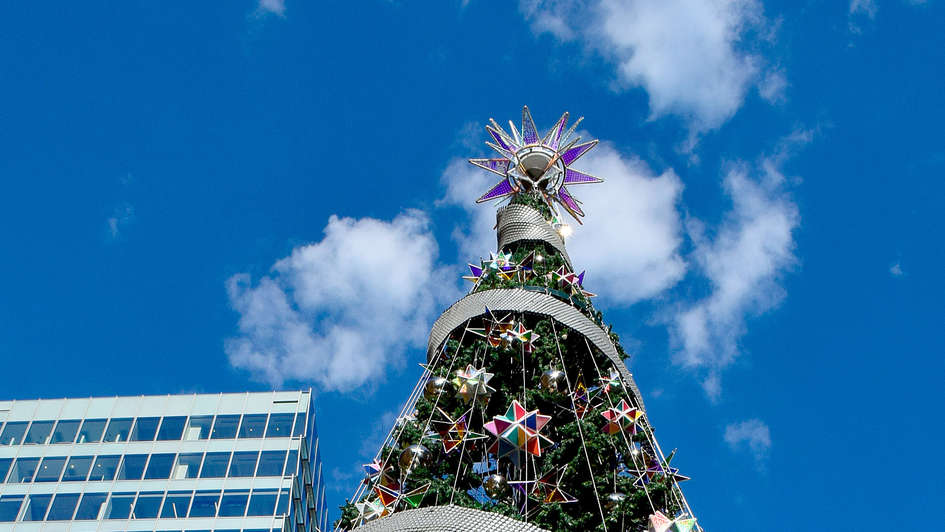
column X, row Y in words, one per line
column 242, row 196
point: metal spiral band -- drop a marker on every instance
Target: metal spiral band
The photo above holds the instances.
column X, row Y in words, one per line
column 518, row 300
column 518, row 222
column 448, row 518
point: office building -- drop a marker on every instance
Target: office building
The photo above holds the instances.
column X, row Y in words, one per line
column 197, row 462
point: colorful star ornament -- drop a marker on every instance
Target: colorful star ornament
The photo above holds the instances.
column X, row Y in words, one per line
column 526, row 336
column 473, row 383
column 661, row 523
column 548, row 488
column 518, row 429
column 452, row 433
column 612, row 380
column 370, row 510
column 529, row 163
column 655, row 467
column 571, row 282
column 372, row 470
column 623, row 417
column 497, row 331
column 581, row 398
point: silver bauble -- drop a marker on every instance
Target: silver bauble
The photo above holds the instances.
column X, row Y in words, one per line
column 434, row 387
column 495, row 486
column 539, row 258
column 613, row 500
column 413, row 456
column 553, row 380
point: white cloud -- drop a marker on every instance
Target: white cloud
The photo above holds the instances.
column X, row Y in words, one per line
column 896, row 270
column 691, row 56
column 633, row 216
column 743, row 264
column 120, row 219
column 752, row 434
column 863, row 7
column 341, row 311
column 276, row 7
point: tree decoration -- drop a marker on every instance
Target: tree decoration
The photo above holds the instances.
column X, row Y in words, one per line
column 553, row 380
column 454, row 432
column 623, row 417
column 473, row 383
column 413, row 456
column 612, row 380
column 435, row 386
column 518, row 429
column 571, row 282
column 541, row 164
column 495, row 486
column 371, row 509
column 661, row 523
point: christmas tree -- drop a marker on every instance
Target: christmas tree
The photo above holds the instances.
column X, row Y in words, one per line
column 526, row 417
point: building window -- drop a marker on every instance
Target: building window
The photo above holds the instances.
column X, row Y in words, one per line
column 145, row 428
column 105, row 468
column 78, row 468
column 271, row 464
column 243, row 464
column 13, row 433
column 91, row 431
column 188, row 465
column 91, row 506
column 176, row 504
column 254, row 426
column 198, row 428
column 225, row 427
column 299, row 425
column 132, row 467
column 51, row 469
column 23, row 470
column 233, row 503
column 262, row 502
column 284, row 498
column 65, row 431
column 10, row 507
column 39, row 432
column 214, row 465
column 119, row 506
column 172, row 428
column 36, row 507
column 5, row 464
column 292, row 465
column 205, row 504
column 147, row 505
column 160, row 466
column 280, row 426
column 118, row 429
column 63, row 507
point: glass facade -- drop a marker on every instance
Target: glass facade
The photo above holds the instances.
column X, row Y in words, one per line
column 225, row 462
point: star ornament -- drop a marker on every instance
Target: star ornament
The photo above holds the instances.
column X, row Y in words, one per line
column 610, row 381
column 661, row 523
column 529, row 162
column 623, row 417
column 454, row 432
column 370, row 510
column 518, row 429
column 472, row 382
column 526, row 336
column 572, row 282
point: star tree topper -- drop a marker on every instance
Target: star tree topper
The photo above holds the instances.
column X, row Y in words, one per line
column 532, row 163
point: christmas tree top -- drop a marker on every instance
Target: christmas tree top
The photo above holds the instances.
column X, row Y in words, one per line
column 526, row 417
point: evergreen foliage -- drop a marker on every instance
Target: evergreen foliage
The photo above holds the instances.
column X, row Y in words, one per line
column 517, row 376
